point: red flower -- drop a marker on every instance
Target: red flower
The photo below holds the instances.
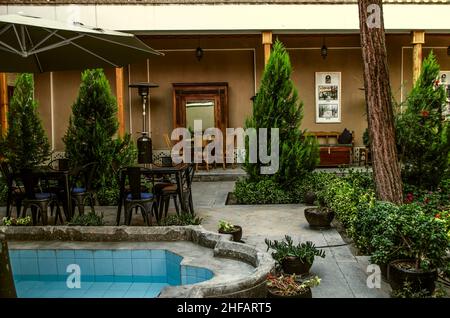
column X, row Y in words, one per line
column 438, row 216
column 425, row 113
column 409, row 198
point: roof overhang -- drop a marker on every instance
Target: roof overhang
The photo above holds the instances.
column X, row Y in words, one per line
column 219, row 19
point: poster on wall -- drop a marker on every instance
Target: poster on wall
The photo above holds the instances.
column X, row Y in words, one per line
column 328, row 97
column 444, row 80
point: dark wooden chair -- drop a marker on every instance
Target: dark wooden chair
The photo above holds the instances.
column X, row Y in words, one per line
column 136, row 199
column 171, row 191
column 38, row 201
column 16, row 192
column 81, row 189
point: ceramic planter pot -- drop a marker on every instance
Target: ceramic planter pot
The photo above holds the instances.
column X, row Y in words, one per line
column 310, row 197
column 272, row 293
column 403, row 270
column 319, row 218
column 293, row 265
column 237, row 233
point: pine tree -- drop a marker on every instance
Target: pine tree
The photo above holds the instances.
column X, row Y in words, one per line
column 92, row 126
column 423, row 137
column 277, row 106
column 26, row 144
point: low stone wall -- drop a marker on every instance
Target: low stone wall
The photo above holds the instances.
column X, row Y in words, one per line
column 250, row 286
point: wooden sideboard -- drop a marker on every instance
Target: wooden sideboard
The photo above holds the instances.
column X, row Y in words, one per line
column 333, row 154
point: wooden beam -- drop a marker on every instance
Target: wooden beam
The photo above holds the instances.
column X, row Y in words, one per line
column 3, row 103
column 267, row 44
column 418, row 38
column 119, row 96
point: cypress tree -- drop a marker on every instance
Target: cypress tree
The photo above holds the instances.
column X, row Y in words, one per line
column 92, row 126
column 277, row 106
column 26, row 144
column 423, row 137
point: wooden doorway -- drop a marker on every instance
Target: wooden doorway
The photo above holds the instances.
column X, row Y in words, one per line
column 202, row 101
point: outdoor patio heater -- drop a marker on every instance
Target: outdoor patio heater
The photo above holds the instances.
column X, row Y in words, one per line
column 144, row 142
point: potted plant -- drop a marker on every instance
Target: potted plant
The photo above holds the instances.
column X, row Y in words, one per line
column 421, row 245
column 294, row 259
column 282, row 286
column 228, row 228
column 310, row 197
column 319, row 217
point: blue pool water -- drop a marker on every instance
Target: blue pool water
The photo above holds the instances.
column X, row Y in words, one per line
column 103, row 273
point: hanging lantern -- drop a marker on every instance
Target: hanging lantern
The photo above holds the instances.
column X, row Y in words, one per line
column 199, row 53
column 324, row 51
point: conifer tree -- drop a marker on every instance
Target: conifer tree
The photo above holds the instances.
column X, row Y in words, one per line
column 92, row 126
column 277, row 106
column 26, row 144
column 423, row 137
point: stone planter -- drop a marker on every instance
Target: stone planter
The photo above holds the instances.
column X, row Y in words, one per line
column 403, row 270
column 236, row 233
column 293, row 265
column 319, row 218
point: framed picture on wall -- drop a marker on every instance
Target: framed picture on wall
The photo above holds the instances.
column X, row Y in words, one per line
column 444, row 80
column 328, row 97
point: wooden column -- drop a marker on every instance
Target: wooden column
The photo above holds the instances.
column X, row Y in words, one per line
column 3, row 103
column 120, row 106
column 418, row 38
column 267, row 44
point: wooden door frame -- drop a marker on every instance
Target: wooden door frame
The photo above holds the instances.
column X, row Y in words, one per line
column 201, row 90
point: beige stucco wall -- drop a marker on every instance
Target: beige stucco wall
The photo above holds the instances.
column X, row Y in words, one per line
column 238, row 60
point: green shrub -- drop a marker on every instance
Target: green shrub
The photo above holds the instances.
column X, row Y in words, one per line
column 360, row 179
column 26, row 144
column 3, row 190
column 181, row 220
column 411, row 233
column 423, row 138
column 370, row 221
column 93, row 125
column 277, row 106
column 315, row 182
column 265, row 191
column 17, row 221
column 89, row 219
column 108, row 196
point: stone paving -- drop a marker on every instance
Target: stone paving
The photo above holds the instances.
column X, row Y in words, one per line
column 342, row 273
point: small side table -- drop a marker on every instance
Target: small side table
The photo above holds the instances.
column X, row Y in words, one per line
column 363, row 156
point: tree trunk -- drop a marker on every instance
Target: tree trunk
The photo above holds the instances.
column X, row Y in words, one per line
column 380, row 115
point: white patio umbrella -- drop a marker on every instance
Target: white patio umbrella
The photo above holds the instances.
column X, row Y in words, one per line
column 31, row 44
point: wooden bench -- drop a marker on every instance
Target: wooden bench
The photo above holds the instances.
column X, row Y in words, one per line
column 333, row 154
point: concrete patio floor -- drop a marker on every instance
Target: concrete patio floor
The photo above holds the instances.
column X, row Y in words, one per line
column 343, row 274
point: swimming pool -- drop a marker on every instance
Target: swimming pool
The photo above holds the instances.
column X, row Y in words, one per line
column 101, row 273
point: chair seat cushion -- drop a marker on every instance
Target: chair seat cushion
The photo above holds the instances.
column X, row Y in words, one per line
column 144, row 196
column 160, row 186
column 170, row 188
column 43, row 195
column 78, row 190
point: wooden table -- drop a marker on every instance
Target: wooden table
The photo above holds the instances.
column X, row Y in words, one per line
column 155, row 170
